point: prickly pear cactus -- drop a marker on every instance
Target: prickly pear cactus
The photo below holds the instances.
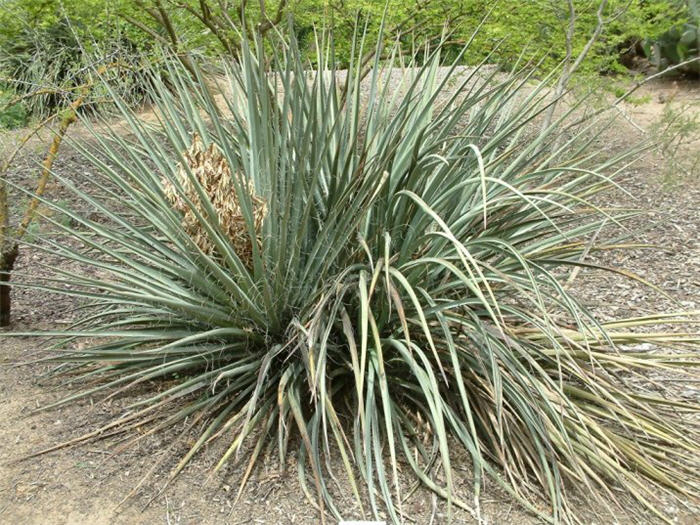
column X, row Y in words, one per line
column 678, row 44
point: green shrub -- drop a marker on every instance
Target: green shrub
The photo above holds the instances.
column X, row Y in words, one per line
column 12, row 115
column 49, row 50
column 513, row 31
column 46, row 62
column 381, row 287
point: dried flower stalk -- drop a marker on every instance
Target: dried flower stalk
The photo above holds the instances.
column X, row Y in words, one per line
column 211, row 169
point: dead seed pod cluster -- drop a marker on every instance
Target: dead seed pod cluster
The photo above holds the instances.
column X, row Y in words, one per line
column 211, row 170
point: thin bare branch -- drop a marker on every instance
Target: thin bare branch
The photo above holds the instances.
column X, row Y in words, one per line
column 568, row 69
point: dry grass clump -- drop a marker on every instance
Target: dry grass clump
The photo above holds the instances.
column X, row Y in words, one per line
column 211, row 169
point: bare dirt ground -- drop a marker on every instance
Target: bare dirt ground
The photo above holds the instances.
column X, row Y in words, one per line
column 85, row 484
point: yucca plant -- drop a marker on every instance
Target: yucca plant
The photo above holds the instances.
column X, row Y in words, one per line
column 397, row 294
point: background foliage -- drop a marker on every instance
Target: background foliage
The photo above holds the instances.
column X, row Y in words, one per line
column 49, row 48
column 46, row 42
